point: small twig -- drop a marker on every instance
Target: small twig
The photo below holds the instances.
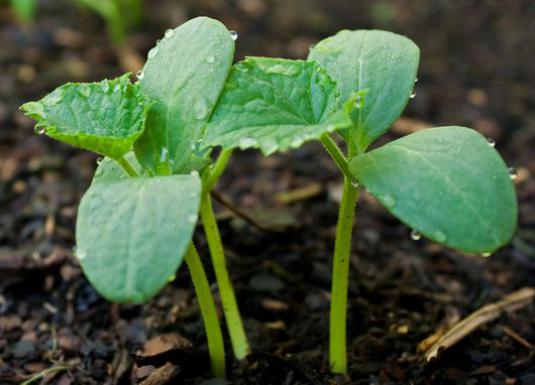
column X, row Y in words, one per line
column 517, row 337
column 162, row 375
column 44, row 373
column 242, row 214
column 487, row 313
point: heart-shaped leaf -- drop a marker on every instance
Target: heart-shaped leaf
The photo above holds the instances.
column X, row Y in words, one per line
column 274, row 105
column 105, row 117
column 132, row 234
column 383, row 63
column 445, row 182
column 184, row 76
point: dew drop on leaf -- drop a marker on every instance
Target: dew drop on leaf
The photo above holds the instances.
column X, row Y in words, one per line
column 99, row 160
column 358, row 102
column 389, row 201
column 416, row 80
column 139, row 75
column 40, row 130
column 416, row 235
column 491, row 142
column 440, row 236
column 169, row 33
column 152, row 53
column 233, row 35
column 512, row 173
column 355, row 183
column 201, row 109
column 164, row 155
column 412, row 95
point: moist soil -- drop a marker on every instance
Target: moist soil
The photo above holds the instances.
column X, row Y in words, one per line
column 476, row 70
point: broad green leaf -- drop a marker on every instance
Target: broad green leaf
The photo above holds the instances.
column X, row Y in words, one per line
column 445, row 182
column 383, row 63
column 105, row 117
column 131, row 234
column 274, row 105
column 184, row 76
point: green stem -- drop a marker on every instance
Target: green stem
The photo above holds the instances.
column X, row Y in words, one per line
column 340, row 277
column 44, row 373
column 335, row 153
column 216, row 347
column 127, row 166
column 217, row 170
column 228, row 298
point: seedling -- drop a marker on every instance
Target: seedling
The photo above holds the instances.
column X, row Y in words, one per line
column 24, row 9
column 136, row 220
column 447, row 183
column 120, row 15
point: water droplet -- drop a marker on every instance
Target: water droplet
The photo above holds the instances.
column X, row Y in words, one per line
column 99, row 160
column 491, row 142
column 416, row 80
column 359, row 102
column 233, row 35
column 210, row 59
column 201, row 109
column 389, row 201
column 416, row 235
column 169, row 33
column 440, row 236
column 153, row 52
column 192, row 218
column 40, row 130
column 355, row 183
column 164, row 154
column 412, row 95
column 140, row 74
column 486, row 254
column 194, row 173
column 247, row 142
column 512, row 173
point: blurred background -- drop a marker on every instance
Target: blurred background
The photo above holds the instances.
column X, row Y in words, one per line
column 477, row 69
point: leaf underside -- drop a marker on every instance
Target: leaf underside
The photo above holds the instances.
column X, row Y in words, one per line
column 383, row 63
column 184, row 76
column 445, row 182
column 275, row 104
column 132, row 234
column 105, row 117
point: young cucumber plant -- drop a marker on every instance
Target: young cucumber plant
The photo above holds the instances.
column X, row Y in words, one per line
column 447, row 183
column 136, row 220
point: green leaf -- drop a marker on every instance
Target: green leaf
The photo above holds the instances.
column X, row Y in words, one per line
column 274, row 105
column 445, row 182
column 105, row 117
column 383, row 63
column 184, row 75
column 132, row 234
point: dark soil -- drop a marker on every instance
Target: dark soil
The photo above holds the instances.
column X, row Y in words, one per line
column 476, row 70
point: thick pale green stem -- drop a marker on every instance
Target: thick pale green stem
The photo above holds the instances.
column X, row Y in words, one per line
column 335, row 153
column 228, row 298
column 340, row 276
column 216, row 347
column 217, row 170
column 127, row 166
